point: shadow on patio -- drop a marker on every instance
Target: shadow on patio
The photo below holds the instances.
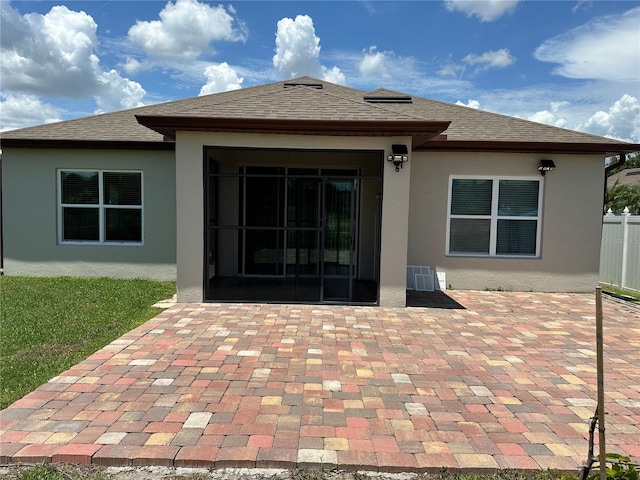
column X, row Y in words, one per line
column 435, row 299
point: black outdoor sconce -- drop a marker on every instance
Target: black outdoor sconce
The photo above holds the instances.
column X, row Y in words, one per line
column 398, row 156
column 546, row 166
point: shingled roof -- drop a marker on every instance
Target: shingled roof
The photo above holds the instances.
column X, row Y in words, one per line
column 629, row 176
column 307, row 105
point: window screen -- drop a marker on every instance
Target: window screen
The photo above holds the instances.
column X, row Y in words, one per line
column 100, row 206
column 494, row 216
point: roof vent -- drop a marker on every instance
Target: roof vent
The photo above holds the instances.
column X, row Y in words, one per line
column 315, row 85
column 387, row 99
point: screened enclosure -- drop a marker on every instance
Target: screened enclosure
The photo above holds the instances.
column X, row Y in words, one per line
column 305, row 230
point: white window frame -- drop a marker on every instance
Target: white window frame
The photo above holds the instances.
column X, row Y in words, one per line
column 101, row 206
column 494, row 217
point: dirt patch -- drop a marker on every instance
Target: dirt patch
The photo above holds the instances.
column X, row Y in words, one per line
column 93, row 472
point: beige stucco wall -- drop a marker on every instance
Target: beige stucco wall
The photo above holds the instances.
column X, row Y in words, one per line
column 30, row 215
column 414, row 215
column 190, row 204
column 571, row 222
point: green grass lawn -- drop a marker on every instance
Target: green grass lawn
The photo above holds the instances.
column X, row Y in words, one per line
column 631, row 295
column 50, row 324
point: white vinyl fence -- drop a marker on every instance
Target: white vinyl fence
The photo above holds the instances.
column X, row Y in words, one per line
column 620, row 253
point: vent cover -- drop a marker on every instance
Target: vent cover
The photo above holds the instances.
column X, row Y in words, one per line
column 315, row 85
column 387, row 99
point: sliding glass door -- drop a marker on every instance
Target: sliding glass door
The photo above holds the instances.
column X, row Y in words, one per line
column 300, row 225
column 339, row 268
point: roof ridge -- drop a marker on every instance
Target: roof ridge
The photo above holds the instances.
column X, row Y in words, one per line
column 356, row 98
column 362, row 101
column 467, row 109
column 388, row 92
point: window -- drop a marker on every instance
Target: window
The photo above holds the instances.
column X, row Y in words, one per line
column 494, row 216
column 100, row 206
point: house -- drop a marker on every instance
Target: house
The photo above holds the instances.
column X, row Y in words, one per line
column 629, row 176
column 307, row 191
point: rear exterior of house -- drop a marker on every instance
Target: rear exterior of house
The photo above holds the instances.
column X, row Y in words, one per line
column 286, row 193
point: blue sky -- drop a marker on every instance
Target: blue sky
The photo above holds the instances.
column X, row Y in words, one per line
column 573, row 64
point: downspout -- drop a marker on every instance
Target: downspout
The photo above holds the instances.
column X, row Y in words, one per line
column 607, row 169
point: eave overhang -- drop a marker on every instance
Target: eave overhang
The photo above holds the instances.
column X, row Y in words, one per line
column 605, row 148
column 420, row 131
column 87, row 144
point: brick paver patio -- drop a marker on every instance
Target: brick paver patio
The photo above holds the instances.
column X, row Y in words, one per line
column 508, row 381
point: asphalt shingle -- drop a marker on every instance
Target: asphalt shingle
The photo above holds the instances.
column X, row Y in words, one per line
column 301, row 99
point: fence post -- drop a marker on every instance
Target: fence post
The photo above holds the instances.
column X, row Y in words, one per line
column 602, row 449
column 625, row 249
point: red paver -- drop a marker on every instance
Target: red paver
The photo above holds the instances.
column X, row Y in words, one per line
column 75, row 453
column 277, row 458
column 507, row 381
column 34, row 453
column 237, row 457
column 161, row 455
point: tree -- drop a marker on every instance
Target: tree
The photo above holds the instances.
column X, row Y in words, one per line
column 620, row 196
column 633, row 161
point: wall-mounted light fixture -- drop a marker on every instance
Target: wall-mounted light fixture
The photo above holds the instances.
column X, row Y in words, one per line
column 546, row 166
column 399, row 155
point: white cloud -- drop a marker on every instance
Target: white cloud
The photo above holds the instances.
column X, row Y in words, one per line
column 133, row 66
column 581, row 4
column 451, row 69
column 185, row 30
column 298, row 51
column 333, row 75
column 53, row 55
column 470, row 103
column 605, row 48
column 548, row 118
column 553, row 116
column 23, row 110
column 492, row 59
column 621, row 120
column 374, row 63
column 221, row 78
column 485, row 10
column 117, row 93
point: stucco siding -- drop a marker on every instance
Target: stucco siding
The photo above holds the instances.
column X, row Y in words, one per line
column 30, row 216
column 571, row 222
column 413, row 218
